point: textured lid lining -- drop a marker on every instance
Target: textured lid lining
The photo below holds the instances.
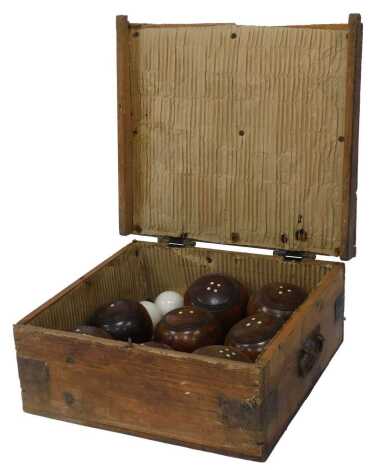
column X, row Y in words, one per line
column 237, row 134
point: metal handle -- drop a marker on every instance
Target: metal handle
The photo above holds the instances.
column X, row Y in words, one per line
column 310, row 353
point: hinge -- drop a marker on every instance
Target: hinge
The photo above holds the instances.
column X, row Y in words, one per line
column 288, row 255
column 339, row 307
column 177, row 242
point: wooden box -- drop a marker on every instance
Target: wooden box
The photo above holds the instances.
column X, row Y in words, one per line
column 229, row 134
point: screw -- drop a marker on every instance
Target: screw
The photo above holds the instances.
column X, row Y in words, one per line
column 70, row 360
column 301, row 235
column 68, row 398
column 284, row 238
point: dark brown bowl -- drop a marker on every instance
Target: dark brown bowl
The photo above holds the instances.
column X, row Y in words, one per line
column 222, row 295
column 279, row 299
column 188, row 328
column 126, row 320
column 251, row 334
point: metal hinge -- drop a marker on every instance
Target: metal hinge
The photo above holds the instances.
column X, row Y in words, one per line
column 177, row 242
column 339, row 307
column 288, row 255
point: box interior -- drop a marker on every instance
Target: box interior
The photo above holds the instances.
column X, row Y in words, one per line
column 142, row 270
column 243, row 127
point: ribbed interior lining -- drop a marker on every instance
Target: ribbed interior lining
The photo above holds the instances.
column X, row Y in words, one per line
column 239, row 130
column 143, row 270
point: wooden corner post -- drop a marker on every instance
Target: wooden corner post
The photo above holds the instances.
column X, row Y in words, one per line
column 348, row 247
column 125, row 179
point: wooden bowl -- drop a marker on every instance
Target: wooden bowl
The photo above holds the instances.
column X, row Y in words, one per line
column 126, row 320
column 188, row 328
column 222, row 295
column 279, row 299
column 251, row 334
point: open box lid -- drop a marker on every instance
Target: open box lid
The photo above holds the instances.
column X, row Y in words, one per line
column 240, row 134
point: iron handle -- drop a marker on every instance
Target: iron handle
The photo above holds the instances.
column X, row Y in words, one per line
column 310, row 353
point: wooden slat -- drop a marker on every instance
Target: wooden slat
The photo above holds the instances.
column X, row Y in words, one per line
column 177, row 397
column 125, row 158
column 348, row 248
column 175, row 25
column 337, row 26
column 330, row 26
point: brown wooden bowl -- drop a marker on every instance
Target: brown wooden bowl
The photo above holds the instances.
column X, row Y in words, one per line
column 251, row 334
column 222, row 295
column 188, row 328
column 126, row 320
column 279, row 299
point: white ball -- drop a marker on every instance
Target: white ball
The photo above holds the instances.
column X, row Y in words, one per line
column 169, row 300
column 153, row 311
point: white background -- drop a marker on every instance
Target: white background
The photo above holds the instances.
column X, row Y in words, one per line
column 58, row 193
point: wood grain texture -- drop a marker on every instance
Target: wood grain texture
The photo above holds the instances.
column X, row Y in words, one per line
column 232, row 408
column 280, row 361
column 175, row 396
column 334, row 26
column 349, row 217
column 194, row 89
column 331, row 26
column 125, row 157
